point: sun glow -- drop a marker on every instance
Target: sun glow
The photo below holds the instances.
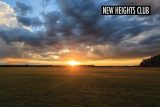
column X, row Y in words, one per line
column 73, row 63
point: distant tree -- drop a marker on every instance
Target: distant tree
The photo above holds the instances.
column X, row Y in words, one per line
column 151, row 62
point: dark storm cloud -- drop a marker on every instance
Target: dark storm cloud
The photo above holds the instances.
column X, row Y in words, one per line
column 22, row 11
column 20, row 35
column 83, row 21
column 22, row 8
column 93, row 29
column 22, row 15
column 28, row 21
column 154, row 39
column 80, row 22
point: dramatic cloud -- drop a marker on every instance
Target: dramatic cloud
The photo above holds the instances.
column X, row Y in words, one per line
column 81, row 22
column 28, row 21
column 22, row 8
column 22, row 15
column 77, row 28
column 11, row 50
column 7, row 15
column 17, row 35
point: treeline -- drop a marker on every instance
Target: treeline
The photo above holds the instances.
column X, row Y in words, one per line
column 151, row 62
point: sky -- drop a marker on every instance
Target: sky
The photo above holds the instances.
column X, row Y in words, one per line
column 57, row 31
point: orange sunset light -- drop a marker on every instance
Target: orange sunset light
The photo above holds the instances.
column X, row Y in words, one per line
column 73, row 63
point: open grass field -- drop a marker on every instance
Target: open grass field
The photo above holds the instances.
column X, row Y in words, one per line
column 80, row 87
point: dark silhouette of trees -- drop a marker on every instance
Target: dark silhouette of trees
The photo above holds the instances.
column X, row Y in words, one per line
column 151, row 62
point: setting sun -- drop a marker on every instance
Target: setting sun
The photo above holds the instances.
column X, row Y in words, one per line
column 73, row 63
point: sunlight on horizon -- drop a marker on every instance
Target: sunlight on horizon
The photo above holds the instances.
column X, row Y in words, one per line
column 73, row 63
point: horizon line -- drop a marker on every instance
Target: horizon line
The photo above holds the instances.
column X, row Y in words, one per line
column 18, row 65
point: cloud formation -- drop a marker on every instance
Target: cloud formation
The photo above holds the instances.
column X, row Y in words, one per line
column 45, row 2
column 22, row 9
column 77, row 26
column 7, row 15
column 29, row 21
column 22, row 15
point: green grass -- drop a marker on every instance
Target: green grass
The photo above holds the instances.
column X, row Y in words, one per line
column 80, row 87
